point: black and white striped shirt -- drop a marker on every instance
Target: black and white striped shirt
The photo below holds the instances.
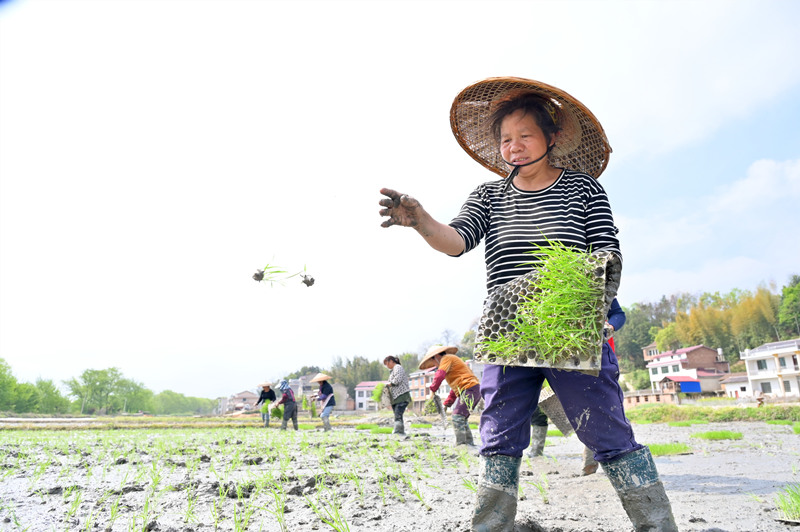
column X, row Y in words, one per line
column 574, row 211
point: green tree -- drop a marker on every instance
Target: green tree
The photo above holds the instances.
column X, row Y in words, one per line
column 789, row 313
column 8, row 384
column 94, row 389
column 667, row 338
column 51, row 400
column 351, row 372
column 635, row 335
column 305, row 370
column 26, row 398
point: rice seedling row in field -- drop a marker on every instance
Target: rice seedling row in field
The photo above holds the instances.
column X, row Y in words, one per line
column 228, row 479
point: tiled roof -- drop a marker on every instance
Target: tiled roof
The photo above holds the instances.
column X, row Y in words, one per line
column 369, row 384
column 681, row 378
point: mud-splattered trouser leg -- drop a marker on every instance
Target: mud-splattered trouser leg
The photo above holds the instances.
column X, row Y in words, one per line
column 593, row 406
column 289, row 412
column 399, row 425
column 466, row 401
column 326, row 417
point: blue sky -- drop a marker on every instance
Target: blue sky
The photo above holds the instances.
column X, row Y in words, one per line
column 153, row 155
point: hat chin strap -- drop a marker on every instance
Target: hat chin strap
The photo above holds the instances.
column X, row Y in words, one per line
column 515, row 171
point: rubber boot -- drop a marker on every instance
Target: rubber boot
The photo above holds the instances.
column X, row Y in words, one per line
column 326, row 424
column 496, row 499
column 538, row 437
column 460, row 429
column 468, row 433
column 283, row 424
column 589, row 463
column 399, row 427
column 635, row 478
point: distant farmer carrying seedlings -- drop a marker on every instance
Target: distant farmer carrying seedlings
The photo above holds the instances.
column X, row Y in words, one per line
column 465, row 390
column 289, row 404
column 267, row 396
column 399, row 391
column 555, row 149
column 326, row 399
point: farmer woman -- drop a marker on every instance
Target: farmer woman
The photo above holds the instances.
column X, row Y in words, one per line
column 465, row 389
column 289, row 404
column 556, row 150
column 267, row 396
column 399, row 391
column 326, row 398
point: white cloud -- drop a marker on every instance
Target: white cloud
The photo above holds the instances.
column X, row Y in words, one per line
column 743, row 235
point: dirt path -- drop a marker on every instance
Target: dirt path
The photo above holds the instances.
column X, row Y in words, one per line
column 202, row 480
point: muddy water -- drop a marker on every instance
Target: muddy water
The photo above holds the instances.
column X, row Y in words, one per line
column 262, row 479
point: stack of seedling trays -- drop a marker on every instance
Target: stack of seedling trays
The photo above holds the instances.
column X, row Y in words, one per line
column 553, row 316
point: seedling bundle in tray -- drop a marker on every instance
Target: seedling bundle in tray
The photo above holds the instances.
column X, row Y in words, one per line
column 553, row 316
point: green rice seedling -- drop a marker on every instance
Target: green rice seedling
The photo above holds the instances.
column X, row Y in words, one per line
column 698, row 421
column 76, row 502
column 667, row 449
column 543, row 486
column 779, row 422
column 680, row 423
column 306, row 426
column 421, row 425
column 396, row 491
column 560, row 317
column 718, row 435
column 366, row 426
column 377, row 393
column 788, row 502
column 191, row 503
column 329, row 511
column 279, row 497
column 469, row 484
column 216, row 513
column 381, row 430
column 796, row 428
column 473, row 426
column 554, row 433
column 417, row 492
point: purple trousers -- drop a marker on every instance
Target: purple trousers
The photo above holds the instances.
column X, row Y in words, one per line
column 467, row 400
column 594, row 407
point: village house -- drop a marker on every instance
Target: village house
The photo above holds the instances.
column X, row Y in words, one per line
column 245, row 400
column 696, row 369
column 736, row 385
column 364, row 391
column 772, row 369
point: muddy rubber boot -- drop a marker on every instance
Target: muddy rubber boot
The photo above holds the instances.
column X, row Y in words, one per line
column 468, row 433
column 538, row 437
column 589, row 463
column 326, row 424
column 635, row 478
column 399, row 428
column 283, row 424
column 460, row 429
column 496, row 499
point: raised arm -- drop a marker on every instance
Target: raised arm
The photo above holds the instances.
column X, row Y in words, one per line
column 406, row 211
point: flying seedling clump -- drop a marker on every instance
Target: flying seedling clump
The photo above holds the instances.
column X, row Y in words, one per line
column 273, row 274
column 558, row 316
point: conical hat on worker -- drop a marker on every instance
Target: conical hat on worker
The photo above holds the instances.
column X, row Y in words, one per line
column 427, row 360
column 581, row 144
column 319, row 377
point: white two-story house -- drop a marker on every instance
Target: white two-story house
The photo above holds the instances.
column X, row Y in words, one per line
column 773, row 369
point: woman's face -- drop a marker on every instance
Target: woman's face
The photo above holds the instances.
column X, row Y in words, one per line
column 390, row 364
column 521, row 139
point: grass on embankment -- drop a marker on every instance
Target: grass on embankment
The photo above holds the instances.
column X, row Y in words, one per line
column 699, row 414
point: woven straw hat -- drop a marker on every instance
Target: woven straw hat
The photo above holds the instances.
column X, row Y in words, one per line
column 580, row 145
column 319, row 377
column 265, row 384
column 427, row 360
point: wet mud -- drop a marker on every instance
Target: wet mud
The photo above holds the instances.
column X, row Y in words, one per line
column 264, row 479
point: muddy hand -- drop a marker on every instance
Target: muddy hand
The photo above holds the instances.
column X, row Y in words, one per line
column 400, row 208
